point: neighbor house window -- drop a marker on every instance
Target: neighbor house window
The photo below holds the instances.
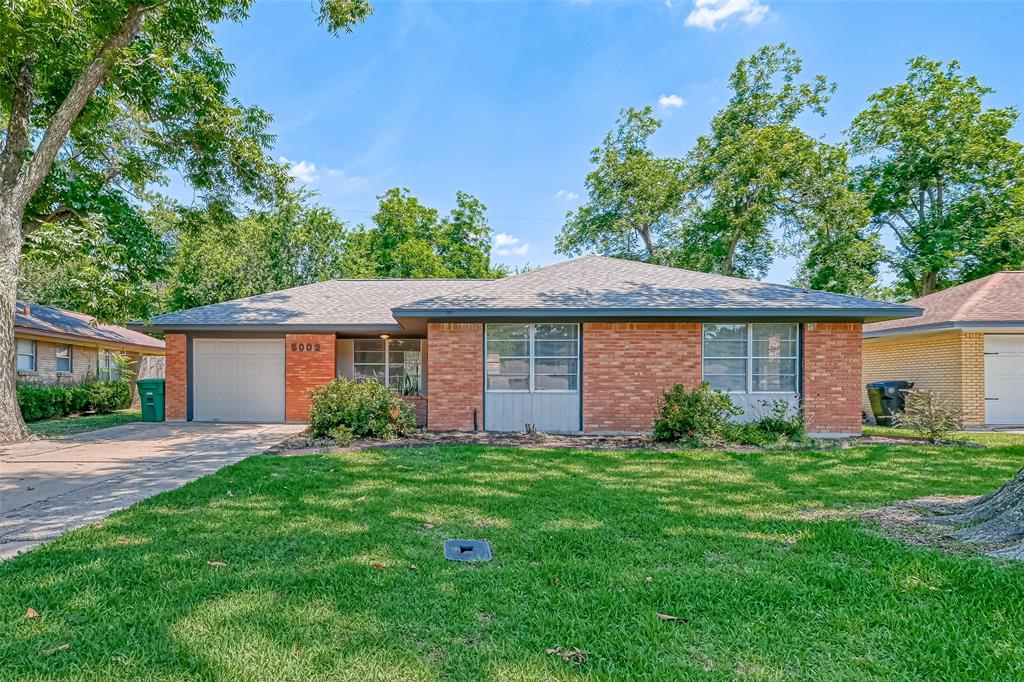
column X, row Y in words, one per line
column 108, row 368
column 533, row 357
column 751, row 358
column 396, row 363
column 26, row 355
column 64, row 359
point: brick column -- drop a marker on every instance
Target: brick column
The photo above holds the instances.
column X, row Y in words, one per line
column 175, row 377
column 972, row 378
column 627, row 366
column 308, row 363
column 832, row 378
column 455, row 376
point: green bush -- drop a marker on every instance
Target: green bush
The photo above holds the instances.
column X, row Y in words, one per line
column 108, row 396
column 46, row 401
column 700, row 416
column 782, row 422
column 366, row 408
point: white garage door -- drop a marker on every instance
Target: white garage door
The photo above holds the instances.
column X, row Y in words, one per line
column 1004, row 379
column 238, row 380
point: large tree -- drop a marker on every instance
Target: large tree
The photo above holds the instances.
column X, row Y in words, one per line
column 757, row 174
column 633, row 195
column 942, row 177
column 103, row 95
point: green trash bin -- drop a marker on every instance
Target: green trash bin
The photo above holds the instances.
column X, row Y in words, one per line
column 151, row 395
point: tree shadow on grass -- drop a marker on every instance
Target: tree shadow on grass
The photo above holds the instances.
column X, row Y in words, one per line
column 317, row 580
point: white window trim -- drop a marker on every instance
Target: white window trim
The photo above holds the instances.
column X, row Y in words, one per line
column 750, row 357
column 387, row 364
column 35, row 356
column 71, row 358
column 530, row 360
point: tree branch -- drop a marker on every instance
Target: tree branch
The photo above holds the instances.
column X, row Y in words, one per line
column 17, row 144
column 68, row 111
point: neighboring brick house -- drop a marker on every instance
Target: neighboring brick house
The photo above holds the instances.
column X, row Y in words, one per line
column 62, row 346
column 586, row 345
column 967, row 346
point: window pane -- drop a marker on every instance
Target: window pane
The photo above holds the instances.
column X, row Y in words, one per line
column 513, row 382
column 554, row 366
column 26, row 363
column 403, row 357
column 555, row 331
column 768, row 366
column 369, row 357
column 716, row 366
column 63, row 358
column 725, row 340
column 775, row 340
column 507, row 347
column 554, row 348
column 369, row 372
column 774, row 382
column 508, row 331
column 727, row 382
column 26, row 347
column 496, row 365
column 555, row 382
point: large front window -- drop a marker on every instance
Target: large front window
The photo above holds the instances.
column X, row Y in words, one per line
column 396, row 363
column 751, row 358
column 108, row 366
column 533, row 357
column 26, row 355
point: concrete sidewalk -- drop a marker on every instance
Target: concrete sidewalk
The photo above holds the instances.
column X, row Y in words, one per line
column 50, row 486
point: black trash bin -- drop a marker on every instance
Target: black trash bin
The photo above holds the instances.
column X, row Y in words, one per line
column 887, row 398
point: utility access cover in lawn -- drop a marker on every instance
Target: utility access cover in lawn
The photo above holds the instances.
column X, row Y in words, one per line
column 467, row 550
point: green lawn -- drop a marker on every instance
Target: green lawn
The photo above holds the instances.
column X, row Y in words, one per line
column 66, row 426
column 986, row 438
column 589, row 548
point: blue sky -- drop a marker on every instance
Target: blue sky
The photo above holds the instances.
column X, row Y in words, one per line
column 506, row 99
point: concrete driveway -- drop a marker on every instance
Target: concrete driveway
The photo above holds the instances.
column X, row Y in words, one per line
column 51, row 486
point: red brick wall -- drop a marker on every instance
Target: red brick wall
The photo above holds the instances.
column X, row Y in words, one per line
column 455, row 375
column 419, row 404
column 175, row 374
column 832, row 377
column 628, row 365
column 305, row 369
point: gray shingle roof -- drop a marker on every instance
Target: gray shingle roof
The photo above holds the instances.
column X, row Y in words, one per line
column 32, row 318
column 366, row 302
column 592, row 286
column 597, row 285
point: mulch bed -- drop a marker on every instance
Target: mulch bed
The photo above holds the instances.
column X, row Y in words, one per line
column 303, row 443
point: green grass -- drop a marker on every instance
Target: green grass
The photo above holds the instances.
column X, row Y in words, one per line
column 67, row 426
column 589, row 548
column 986, row 438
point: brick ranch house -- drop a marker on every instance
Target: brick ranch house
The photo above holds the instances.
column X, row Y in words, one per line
column 585, row 345
column 968, row 346
column 63, row 346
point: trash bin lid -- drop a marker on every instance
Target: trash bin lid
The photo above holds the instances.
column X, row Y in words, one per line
column 891, row 384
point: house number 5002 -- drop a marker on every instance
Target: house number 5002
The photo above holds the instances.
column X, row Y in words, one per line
column 306, row 347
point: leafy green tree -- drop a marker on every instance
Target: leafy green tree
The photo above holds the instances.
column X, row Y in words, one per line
column 942, row 177
column 633, row 196
column 409, row 239
column 757, row 172
column 104, row 95
column 219, row 256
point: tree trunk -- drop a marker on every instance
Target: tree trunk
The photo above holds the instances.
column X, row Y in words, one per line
column 994, row 522
column 929, row 283
column 12, row 426
column 645, row 234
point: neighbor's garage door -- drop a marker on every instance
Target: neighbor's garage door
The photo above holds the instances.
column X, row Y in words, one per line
column 239, row 380
column 1004, row 379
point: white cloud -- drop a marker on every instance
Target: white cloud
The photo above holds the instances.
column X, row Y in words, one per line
column 708, row 14
column 344, row 183
column 567, row 195
column 303, row 171
column 671, row 101
column 509, row 245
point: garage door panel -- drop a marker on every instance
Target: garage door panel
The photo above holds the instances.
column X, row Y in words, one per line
column 1004, row 379
column 238, row 380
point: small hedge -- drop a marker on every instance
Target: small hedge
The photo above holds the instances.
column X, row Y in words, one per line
column 43, row 401
column 345, row 408
column 702, row 417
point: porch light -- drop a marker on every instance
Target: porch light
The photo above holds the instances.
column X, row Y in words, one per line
column 385, row 336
